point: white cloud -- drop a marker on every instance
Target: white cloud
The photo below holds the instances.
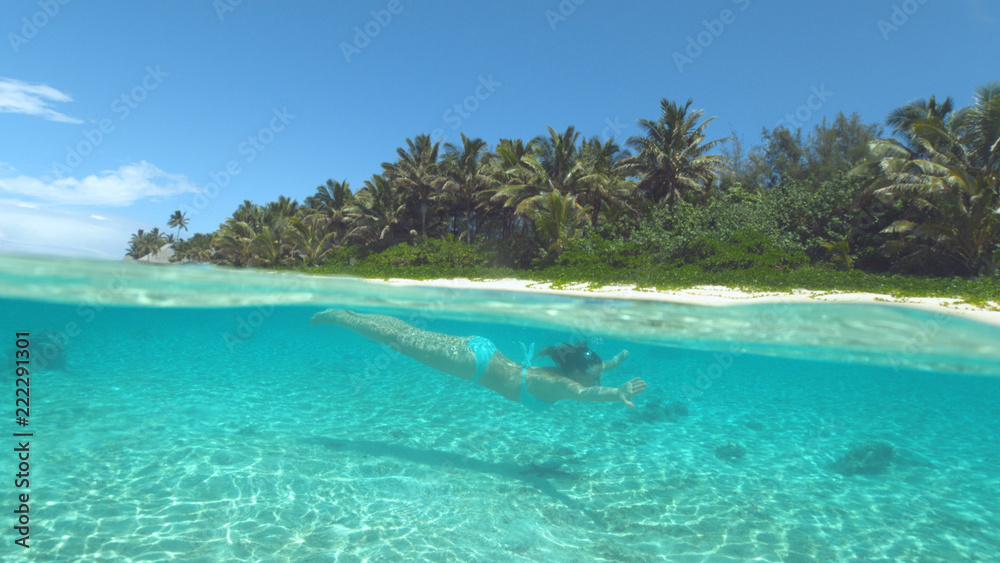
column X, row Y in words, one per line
column 118, row 188
column 52, row 231
column 32, row 99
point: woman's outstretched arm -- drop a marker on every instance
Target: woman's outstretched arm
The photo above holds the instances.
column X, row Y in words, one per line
column 624, row 393
column 565, row 388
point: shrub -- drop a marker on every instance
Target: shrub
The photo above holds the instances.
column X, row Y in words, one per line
column 519, row 252
column 344, row 256
column 743, row 250
column 594, row 250
column 449, row 253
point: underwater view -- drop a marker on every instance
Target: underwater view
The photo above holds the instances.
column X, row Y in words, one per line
column 520, row 281
column 193, row 414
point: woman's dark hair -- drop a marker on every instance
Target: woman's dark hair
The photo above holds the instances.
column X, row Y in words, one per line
column 571, row 357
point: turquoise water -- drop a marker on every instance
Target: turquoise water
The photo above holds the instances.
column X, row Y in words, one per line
column 192, row 414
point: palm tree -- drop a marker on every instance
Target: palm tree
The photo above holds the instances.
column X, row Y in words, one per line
column 417, row 173
column 944, row 165
column 266, row 248
column 547, row 164
column 136, row 245
column 277, row 211
column 235, row 242
column 603, row 185
column 514, row 169
column 559, row 158
column 906, row 120
column 198, row 248
column 309, row 238
column 153, row 243
column 378, row 209
column 558, row 219
column 983, row 129
column 178, row 220
column 468, row 179
column 672, row 159
column 332, row 200
column 251, row 214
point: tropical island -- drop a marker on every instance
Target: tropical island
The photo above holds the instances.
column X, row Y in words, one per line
column 908, row 209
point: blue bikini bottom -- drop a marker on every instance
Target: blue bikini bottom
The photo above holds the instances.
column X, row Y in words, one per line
column 484, row 350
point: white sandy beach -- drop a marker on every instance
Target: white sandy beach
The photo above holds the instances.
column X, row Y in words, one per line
column 720, row 295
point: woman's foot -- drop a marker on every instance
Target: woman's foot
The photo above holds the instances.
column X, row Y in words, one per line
column 329, row 317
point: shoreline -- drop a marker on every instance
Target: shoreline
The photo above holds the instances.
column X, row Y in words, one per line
column 718, row 295
column 139, row 283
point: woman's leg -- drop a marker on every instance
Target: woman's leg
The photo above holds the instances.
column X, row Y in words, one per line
column 450, row 354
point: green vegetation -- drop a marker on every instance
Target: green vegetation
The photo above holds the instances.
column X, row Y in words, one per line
column 143, row 244
column 840, row 207
column 436, row 259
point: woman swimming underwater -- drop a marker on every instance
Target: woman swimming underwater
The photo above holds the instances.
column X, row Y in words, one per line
column 477, row 359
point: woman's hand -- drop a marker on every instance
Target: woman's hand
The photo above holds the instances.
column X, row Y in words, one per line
column 631, row 389
column 621, row 357
column 617, row 360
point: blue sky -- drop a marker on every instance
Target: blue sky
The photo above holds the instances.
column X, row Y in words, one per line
column 116, row 114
